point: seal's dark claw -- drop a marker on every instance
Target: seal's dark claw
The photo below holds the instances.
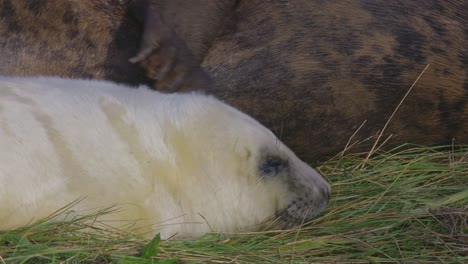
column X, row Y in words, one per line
column 143, row 54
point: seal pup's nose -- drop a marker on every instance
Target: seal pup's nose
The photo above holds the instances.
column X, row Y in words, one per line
column 326, row 192
column 321, row 186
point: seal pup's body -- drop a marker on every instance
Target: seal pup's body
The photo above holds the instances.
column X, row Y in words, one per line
column 185, row 161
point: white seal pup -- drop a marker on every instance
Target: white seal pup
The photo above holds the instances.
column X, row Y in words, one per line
column 182, row 164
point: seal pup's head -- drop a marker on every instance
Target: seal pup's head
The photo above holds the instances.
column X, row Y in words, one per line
column 240, row 177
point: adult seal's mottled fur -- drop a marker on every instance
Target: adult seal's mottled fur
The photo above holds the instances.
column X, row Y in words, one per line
column 312, row 71
column 182, row 164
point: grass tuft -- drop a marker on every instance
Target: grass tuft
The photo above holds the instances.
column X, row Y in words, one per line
column 406, row 205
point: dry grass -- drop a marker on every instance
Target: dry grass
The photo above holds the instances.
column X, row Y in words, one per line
column 404, row 206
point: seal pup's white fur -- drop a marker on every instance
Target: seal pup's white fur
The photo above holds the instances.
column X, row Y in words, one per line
column 187, row 162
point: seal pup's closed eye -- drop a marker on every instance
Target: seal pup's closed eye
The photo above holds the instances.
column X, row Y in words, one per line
column 181, row 164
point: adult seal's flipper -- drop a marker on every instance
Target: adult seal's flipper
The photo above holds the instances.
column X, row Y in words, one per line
column 176, row 36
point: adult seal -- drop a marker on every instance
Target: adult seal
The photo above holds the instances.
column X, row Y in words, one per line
column 178, row 164
column 311, row 71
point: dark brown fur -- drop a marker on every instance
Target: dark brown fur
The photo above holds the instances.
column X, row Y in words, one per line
column 81, row 39
column 312, row 71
